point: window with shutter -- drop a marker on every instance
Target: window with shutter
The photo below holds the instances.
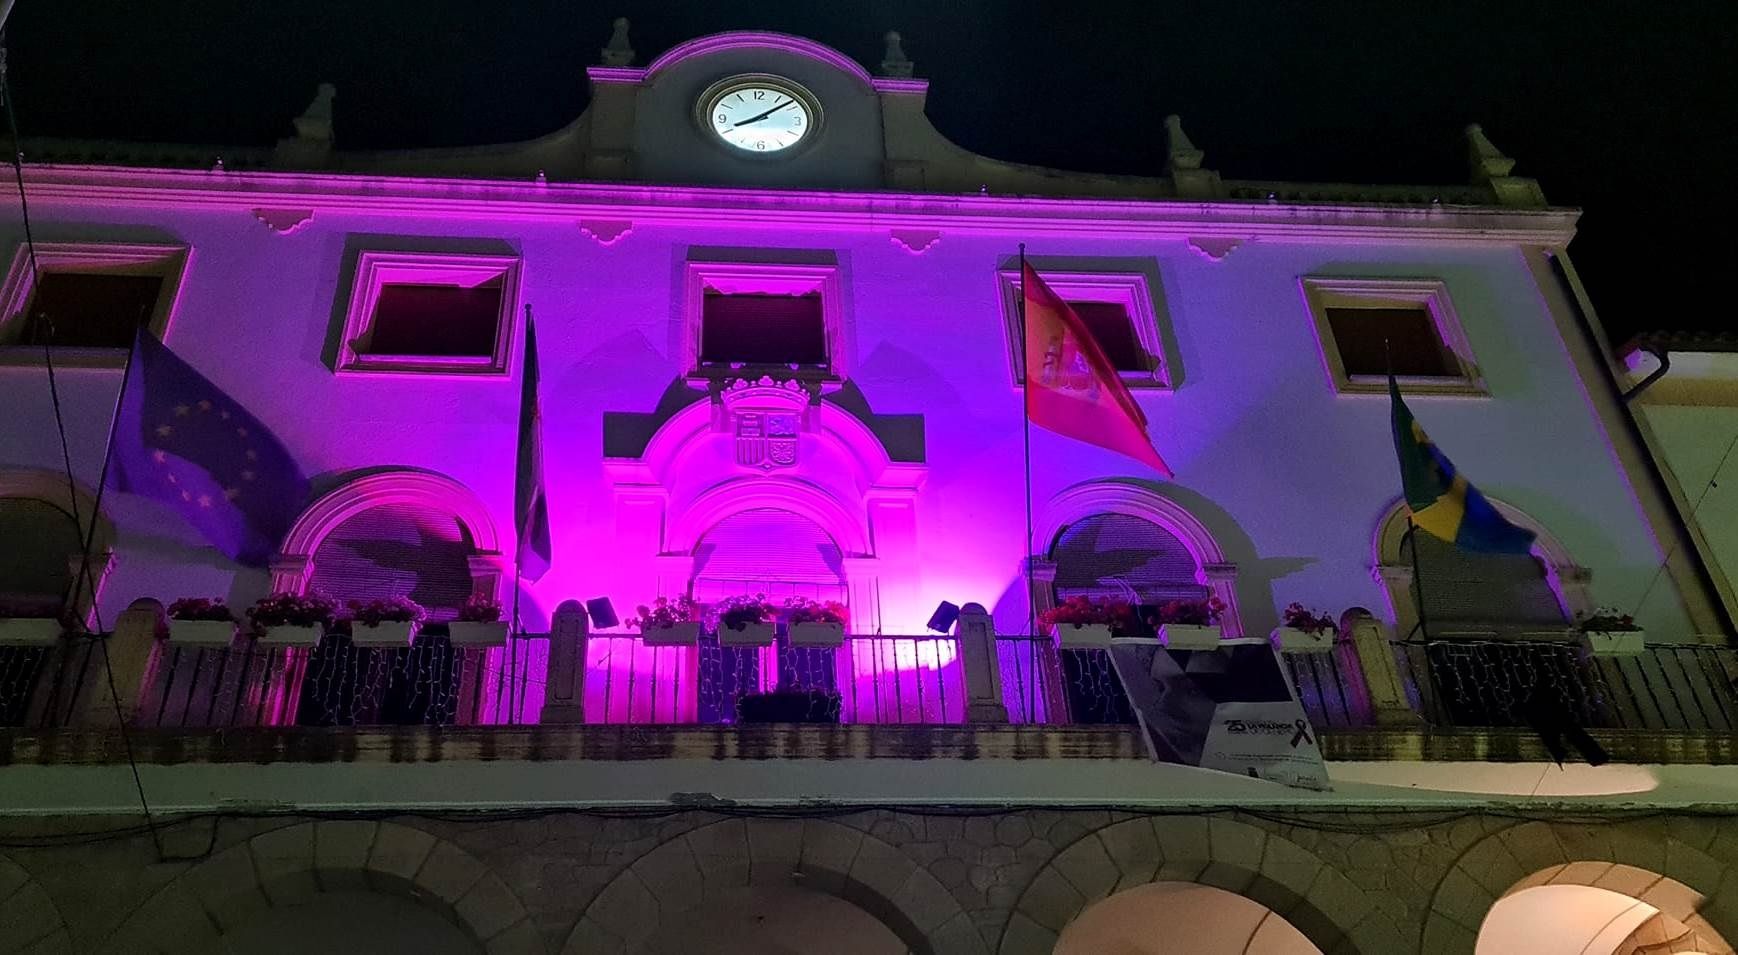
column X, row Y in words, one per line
column 1489, row 590
column 1118, row 555
column 1111, row 327
column 1370, row 326
column 449, row 321
column 88, row 298
column 397, row 550
column 40, row 545
column 442, row 312
column 1373, row 340
column 90, row 309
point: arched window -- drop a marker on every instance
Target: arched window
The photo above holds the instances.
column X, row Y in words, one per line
column 41, row 552
column 1127, row 557
column 768, row 550
column 397, row 550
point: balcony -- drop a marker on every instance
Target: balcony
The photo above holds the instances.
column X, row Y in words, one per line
column 569, row 694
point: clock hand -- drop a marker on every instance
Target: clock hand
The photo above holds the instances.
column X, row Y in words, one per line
column 756, row 119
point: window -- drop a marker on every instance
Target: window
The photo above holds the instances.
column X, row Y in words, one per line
column 759, row 329
column 1485, row 591
column 87, row 301
column 767, row 314
column 37, row 568
column 1116, row 308
column 1367, row 326
column 397, row 550
column 425, row 312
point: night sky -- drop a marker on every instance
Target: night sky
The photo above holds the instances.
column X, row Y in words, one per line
column 1623, row 109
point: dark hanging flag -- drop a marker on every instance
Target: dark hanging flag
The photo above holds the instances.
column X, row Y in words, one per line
column 181, row 440
column 530, row 502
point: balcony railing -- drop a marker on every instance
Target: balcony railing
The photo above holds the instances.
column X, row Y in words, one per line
column 870, row 679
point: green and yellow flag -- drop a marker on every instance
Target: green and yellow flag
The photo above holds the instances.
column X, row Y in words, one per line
column 1442, row 501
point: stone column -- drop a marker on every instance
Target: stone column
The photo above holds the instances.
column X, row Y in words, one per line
column 564, row 694
column 1396, row 582
column 975, row 633
column 1221, row 581
column 1043, row 589
column 133, row 650
column 1383, row 689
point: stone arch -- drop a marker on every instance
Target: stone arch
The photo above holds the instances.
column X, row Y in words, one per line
column 811, row 853
column 1567, row 579
column 760, row 40
column 290, row 865
column 1093, row 498
column 29, row 920
column 421, row 489
column 1332, row 912
column 1678, row 866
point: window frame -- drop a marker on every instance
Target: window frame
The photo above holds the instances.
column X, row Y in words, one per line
column 376, row 269
column 1127, row 289
column 764, row 278
column 168, row 262
column 1321, row 293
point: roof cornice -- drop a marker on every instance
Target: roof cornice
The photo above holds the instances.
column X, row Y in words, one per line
column 118, row 187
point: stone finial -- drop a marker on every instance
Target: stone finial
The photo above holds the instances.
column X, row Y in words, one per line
column 893, row 61
column 1180, row 152
column 619, row 52
column 315, row 123
column 1487, row 162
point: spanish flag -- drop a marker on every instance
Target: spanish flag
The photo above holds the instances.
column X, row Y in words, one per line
column 1071, row 387
column 1441, row 499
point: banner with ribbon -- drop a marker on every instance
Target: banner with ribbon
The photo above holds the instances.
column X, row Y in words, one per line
column 1231, row 709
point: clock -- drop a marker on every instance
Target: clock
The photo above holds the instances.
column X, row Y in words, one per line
column 759, row 115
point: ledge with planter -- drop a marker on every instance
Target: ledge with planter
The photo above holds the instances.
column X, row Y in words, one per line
column 1304, row 631
column 815, row 623
column 668, row 623
column 1607, row 633
column 291, row 620
column 1190, row 624
column 1086, row 623
column 388, row 622
column 201, row 622
column 745, row 621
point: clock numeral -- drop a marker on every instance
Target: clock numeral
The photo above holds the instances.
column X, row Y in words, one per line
column 796, row 120
column 760, row 144
column 723, row 118
column 760, row 94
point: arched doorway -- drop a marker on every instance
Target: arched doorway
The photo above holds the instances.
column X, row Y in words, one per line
column 774, row 920
column 1598, row 909
column 348, row 921
column 1144, row 921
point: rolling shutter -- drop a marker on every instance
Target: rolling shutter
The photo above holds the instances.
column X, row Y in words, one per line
column 1120, row 555
column 1463, row 587
column 396, row 550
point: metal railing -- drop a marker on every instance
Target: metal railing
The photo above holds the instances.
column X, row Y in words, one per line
column 1516, row 683
column 1330, row 687
column 45, row 686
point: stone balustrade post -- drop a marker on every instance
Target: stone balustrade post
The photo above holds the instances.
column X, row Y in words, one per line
column 1365, row 640
column 975, row 634
column 133, row 651
column 564, row 694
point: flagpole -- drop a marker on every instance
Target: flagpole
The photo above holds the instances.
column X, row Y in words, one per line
column 90, row 533
column 1410, row 541
column 517, row 629
column 1026, row 422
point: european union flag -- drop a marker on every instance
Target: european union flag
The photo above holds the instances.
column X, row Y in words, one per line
column 181, row 440
column 1442, row 501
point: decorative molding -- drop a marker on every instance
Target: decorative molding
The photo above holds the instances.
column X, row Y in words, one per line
column 283, row 221
column 605, row 232
column 1321, row 293
column 759, row 40
column 767, row 418
column 168, row 261
column 377, row 269
column 772, row 278
column 293, row 567
column 111, row 187
column 1128, row 289
column 915, row 241
column 1214, row 248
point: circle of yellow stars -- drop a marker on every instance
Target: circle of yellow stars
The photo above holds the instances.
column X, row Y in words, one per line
column 160, row 456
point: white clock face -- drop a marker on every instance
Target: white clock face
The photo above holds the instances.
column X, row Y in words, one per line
column 759, row 117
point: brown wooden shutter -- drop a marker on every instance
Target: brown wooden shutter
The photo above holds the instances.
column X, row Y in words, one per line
column 396, row 550
column 1113, row 554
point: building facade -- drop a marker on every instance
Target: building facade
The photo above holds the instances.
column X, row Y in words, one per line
column 778, row 334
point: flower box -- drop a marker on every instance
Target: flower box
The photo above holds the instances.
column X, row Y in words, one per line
column 814, row 633
column 1182, row 636
column 1083, row 636
column 1296, row 640
column 683, row 634
column 751, row 635
column 386, row 633
column 290, row 635
column 202, row 633
column 789, row 706
column 477, row 633
column 29, row 631
column 1614, row 643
